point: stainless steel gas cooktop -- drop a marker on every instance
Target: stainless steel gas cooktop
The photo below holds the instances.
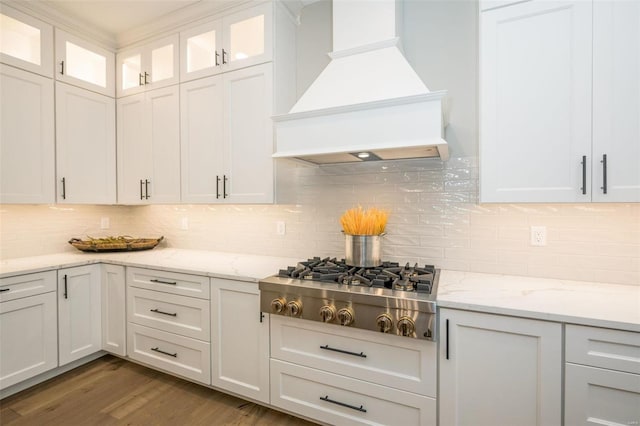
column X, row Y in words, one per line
column 389, row 298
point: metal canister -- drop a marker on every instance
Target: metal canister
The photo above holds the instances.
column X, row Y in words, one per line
column 363, row 250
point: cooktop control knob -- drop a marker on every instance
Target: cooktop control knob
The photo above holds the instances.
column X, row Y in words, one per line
column 406, row 326
column 327, row 313
column 294, row 308
column 384, row 323
column 278, row 305
column 346, row 316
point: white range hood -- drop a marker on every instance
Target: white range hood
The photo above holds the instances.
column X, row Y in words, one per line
column 368, row 100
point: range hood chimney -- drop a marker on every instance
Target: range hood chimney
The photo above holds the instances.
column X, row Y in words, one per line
column 368, row 103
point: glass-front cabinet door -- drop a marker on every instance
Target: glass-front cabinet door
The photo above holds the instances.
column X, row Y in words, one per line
column 25, row 42
column 151, row 66
column 248, row 37
column 201, row 51
column 83, row 64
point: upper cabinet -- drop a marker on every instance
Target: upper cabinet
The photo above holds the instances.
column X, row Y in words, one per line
column 236, row 41
column 25, row 42
column 85, row 146
column 83, row 64
column 559, row 109
column 151, row 66
column 27, row 147
column 616, row 101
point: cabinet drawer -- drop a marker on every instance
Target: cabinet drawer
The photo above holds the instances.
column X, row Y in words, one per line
column 186, row 357
column 183, row 315
column 340, row 400
column 27, row 285
column 398, row 362
column 169, row 282
column 594, row 396
column 601, row 347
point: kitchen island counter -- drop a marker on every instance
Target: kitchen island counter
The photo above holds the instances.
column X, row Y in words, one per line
column 573, row 302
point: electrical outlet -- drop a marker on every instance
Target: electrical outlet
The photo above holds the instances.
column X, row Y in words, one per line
column 104, row 223
column 184, row 223
column 538, row 235
column 281, row 228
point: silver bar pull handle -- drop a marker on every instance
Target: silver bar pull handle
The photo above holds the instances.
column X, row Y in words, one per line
column 217, row 187
column 66, row 293
column 146, row 75
column 224, row 186
column 158, row 311
column 140, row 82
column 604, row 173
column 165, row 353
column 217, row 61
column 224, row 56
column 146, row 189
column 342, row 351
column 62, row 67
column 141, row 195
column 163, row 282
column 64, row 189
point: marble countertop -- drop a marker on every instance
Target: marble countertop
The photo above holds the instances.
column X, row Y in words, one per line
column 577, row 302
column 243, row 267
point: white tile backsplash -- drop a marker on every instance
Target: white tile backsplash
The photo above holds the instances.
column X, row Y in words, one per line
column 434, row 218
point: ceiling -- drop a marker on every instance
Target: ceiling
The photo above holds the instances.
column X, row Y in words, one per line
column 115, row 17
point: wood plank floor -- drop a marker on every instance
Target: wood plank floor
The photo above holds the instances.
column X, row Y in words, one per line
column 112, row 391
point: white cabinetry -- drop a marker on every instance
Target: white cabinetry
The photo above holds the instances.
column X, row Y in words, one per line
column 79, row 313
column 84, row 64
column 85, row 146
column 554, row 103
column 340, row 375
column 25, row 42
column 151, row 66
column 27, row 151
column 236, row 41
column 602, row 383
column 114, row 314
column 28, row 327
column 240, row 339
column 499, row 370
column 168, row 322
column 616, row 101
column 227, row 137
column 149, row 147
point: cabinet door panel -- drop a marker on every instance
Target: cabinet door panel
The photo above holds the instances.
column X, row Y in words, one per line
column 201, row 140
column 29, row 338
column 240, row 339
column 114, row 316
column 162, row 67
column 82, row 64
column 25, row 42
column 248, row 37
column 535, row 102
column 79, row 319
column 134, row 160
column 490, row 358
column 163, row 117
column 129, row 75
column 616, row 100
column 201, row 50
column 27, row 151
column 249, row 134
column 85, row 136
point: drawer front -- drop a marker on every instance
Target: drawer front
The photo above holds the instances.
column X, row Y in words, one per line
column 339, row 400
column 398, row 362
column 602, row 347
column 595, row 396
column 183, row 356
column 182, row 315
column 12, row 288
column 169, row 282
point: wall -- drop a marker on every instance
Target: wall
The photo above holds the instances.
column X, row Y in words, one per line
column 434, row 218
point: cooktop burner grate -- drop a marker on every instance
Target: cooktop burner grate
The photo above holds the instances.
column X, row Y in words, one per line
column 388, row 275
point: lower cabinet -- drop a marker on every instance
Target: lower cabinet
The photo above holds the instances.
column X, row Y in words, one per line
column 340, row 375
column 602, row 377
column 28, row 327
column 240, row 339
column 114, row 315
column 168, row 322
column 499, row 370
column 79, row 313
